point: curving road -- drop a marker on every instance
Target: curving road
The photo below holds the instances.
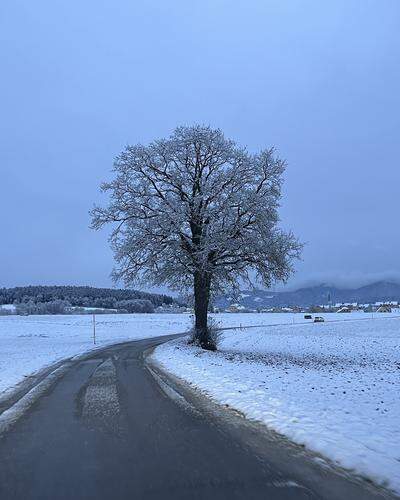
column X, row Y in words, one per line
column 108, row 430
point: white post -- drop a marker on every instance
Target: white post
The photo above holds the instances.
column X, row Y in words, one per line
column 94, row 329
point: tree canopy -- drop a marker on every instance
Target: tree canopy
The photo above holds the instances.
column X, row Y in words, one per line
column 197, row 210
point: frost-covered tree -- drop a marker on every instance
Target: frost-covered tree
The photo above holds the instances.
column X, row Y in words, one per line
column 196, row 211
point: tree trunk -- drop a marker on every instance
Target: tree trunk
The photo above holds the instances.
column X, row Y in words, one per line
column 202, row 283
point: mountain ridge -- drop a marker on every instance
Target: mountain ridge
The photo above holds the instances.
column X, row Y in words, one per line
column 380, row 291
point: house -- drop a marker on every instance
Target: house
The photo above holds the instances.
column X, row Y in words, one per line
column 385, row 308
column 235, row 308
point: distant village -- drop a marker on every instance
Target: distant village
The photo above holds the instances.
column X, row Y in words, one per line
column 337, row 308
column 378, row 307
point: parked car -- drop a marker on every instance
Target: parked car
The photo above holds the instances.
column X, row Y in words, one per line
column 318, row 319
column 307, row 316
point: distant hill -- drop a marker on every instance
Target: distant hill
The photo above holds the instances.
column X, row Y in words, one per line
column 315, row 295
column 109, row 298
column 81, row 296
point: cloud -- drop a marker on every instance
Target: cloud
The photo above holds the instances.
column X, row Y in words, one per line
column 342, row 280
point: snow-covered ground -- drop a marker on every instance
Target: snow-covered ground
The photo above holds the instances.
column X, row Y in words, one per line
column 332, row 386
column 29, row 343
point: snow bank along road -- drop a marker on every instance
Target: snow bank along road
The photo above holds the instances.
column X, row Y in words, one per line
column 109, row 428
column 333, row 387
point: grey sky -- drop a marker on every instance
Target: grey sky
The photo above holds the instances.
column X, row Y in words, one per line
column 319, row 80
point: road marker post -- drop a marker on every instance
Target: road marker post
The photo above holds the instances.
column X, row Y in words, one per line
column 94, row 329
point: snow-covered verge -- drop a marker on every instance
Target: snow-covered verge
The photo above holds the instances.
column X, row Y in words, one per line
column 333, row 387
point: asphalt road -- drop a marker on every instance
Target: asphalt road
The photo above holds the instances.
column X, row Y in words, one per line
column 107, row 430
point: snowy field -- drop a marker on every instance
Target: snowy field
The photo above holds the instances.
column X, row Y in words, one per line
column 29, row 343
column 332, row 386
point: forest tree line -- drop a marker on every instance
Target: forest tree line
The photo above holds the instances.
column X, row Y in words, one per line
column 59, row 299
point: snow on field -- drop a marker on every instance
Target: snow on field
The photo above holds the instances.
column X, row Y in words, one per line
column 29, row 343
column 331, row 386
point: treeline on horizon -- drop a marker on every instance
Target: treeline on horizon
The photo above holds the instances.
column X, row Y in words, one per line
column 57, row 299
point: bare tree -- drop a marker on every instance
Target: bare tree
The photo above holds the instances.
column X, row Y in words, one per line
column 195, row 211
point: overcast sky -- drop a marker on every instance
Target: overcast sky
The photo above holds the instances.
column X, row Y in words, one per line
column 318, row 80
